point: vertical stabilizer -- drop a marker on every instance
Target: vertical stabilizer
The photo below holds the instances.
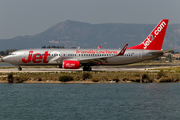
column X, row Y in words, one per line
column 155, row 39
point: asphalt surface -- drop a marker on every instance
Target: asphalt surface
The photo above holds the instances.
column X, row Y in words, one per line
column 103, row 68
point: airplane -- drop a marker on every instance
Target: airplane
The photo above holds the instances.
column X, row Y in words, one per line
column 75, row 58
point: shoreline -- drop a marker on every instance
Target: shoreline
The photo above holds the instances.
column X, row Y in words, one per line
column 142, row 78
column 123, row 74
column 87, row 82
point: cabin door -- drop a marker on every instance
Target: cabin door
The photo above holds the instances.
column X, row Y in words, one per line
column 139, row 55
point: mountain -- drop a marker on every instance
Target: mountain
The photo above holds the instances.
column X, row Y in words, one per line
column 110, row 35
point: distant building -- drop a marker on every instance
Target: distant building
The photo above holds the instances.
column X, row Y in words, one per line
column 168, row 54
column 176, row 56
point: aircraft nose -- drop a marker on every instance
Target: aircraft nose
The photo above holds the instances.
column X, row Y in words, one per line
column 5, row 59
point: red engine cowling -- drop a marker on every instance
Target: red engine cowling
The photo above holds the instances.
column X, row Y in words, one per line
column 71, row 64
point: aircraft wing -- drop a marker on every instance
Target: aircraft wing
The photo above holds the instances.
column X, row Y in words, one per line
column 96, row 60
column 161, row 52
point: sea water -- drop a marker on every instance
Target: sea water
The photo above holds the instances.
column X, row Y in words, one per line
column 121, row 101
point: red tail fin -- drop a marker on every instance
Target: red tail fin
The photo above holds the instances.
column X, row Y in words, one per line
column 155, row 39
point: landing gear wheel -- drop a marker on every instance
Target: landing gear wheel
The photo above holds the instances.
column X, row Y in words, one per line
column 19, row 68
column 87, row 68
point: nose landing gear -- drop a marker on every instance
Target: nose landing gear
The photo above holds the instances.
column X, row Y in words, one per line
column 19, row 68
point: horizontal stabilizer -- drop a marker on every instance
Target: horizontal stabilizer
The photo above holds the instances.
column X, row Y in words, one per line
column 161, row 52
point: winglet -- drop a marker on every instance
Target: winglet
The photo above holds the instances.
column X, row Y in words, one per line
column 122, row 51
column 99, row 47
column 161, row 52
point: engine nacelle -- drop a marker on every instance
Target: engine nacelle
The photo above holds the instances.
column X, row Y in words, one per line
column 71, row 64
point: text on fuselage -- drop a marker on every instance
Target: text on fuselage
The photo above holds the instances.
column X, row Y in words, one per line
column 36, row 58
column 96, row 51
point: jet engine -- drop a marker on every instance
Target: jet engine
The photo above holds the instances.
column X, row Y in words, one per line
column 71, row 64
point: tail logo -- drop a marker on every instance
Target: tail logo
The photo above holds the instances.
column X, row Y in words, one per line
column 160, row 28
column 151, row 37
column 148, row 41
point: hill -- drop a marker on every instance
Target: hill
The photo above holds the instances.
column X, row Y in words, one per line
column 110, row 35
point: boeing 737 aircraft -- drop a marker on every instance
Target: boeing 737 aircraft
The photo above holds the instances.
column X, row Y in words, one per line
column 75, row 58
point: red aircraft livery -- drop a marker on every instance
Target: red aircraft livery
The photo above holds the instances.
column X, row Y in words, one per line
column 96, row 51
column 36, row 58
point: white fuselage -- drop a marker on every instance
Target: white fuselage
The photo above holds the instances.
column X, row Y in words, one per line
column 57, row 56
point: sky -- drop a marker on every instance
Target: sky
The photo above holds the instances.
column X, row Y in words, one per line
column 29, row 17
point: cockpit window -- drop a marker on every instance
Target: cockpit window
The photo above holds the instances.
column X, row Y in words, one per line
column 13, row 54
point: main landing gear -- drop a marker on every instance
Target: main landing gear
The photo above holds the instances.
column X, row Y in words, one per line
column 87, row 68
column 19, row 68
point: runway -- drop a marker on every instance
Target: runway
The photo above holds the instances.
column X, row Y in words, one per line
column 102, row 68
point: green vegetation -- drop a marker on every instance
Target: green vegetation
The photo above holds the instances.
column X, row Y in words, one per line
column 53, row 46
column 65, row 78
column 161, row 74
column 87, row 75
column 171, row 74
column 7, row 52
column 95, row 79
column 10, row 78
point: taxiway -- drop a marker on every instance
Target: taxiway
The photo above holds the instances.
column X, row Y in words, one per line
column 102, row 68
